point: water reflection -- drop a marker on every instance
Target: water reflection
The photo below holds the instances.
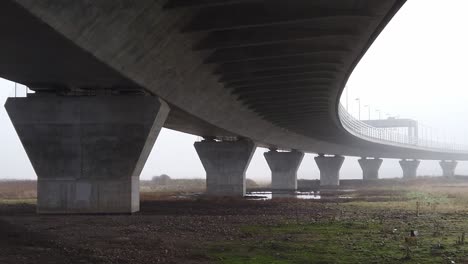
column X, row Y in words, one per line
column 312, row 195
column 278, row 194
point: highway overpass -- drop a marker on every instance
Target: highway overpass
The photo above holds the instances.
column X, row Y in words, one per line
column 108, row 74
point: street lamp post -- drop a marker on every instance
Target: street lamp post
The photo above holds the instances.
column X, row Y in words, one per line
column 368, row 111
column 359, row 108
column 377, row 110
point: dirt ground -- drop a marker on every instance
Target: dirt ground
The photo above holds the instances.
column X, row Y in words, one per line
column 185, row 230
column 163, row 232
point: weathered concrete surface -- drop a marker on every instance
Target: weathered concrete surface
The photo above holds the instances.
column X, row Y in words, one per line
column 284, row 166
column 144, row 44
column 329, row 169
column 87, row 152
column 225, row 163
column 232, row 75
column 370, row 168
column 410, row 168
column 448, row 168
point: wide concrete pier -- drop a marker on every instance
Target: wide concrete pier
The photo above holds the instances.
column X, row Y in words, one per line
column 410, row 168
column 448, row 168
column 225, row 163
column 284, row 166
column 370, row 168
column 329, row 167
column 88, row 152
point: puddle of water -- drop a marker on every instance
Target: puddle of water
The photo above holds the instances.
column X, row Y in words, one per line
column 268, row 195
column 272, row 195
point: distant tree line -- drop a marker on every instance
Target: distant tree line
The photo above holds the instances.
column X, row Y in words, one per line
column 162, row 179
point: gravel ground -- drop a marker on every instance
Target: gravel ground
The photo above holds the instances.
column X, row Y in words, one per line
column 165, row 231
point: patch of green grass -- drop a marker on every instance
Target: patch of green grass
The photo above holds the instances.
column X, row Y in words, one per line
column 410, row 200
column 372, row 228
column 427, row 197
column 335, row 242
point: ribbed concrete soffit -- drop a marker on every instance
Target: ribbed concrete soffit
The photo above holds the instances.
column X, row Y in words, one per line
column 279, row 62
column 286, row 60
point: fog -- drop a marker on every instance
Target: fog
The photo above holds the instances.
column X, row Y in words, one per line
column 415, row 69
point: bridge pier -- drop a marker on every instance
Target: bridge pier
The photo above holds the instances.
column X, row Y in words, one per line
column 284, row 166
column 87, row 152
column 329, row 169
column 409, row 168
column 225, row 163
column 448, row 168
column 370, row 168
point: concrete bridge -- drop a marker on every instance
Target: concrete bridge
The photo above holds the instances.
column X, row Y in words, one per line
column 109, row 74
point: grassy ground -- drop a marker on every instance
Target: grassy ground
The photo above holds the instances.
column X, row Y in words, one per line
column 374, row 227
column 347, row 242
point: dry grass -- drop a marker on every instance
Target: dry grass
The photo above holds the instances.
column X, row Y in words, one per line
column 427, row 197
column 14, row 190
column 432, row 194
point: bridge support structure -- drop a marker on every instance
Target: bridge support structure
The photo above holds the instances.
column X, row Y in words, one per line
column 329, row 167
column 370, row 168
column 448, row 167
column 88, row 152
column 225, row 163
column 410, row 168
column 284, row 166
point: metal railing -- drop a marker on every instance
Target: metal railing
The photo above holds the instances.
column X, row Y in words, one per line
column 391, row 137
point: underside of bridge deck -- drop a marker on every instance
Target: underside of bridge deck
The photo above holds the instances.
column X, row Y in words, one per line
column 268, row 70
column 286, row 60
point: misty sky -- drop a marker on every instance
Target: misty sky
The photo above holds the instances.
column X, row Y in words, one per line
column 415, row 69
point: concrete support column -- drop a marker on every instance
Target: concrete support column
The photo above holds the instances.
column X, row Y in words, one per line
column 225, row 163
column 448, row 168
column 88, row 152
column 409, row 168
column 370, row 168
column 284, row 166
column 329, row 169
